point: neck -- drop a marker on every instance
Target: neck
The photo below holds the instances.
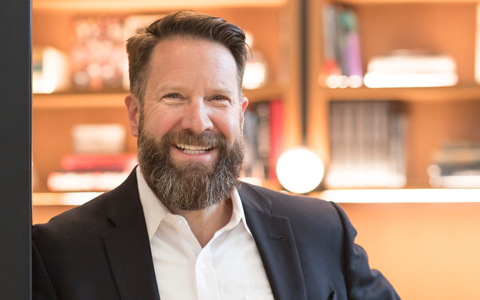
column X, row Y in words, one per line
column 204, row 223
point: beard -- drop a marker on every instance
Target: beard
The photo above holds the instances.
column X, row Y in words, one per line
column 190, row 185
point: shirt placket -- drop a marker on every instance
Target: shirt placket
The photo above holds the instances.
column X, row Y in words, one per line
column 207, row 284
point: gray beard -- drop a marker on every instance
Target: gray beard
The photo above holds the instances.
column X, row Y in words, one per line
column 192, row 185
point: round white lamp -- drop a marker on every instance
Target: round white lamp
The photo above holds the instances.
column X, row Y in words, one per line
column 299, row 170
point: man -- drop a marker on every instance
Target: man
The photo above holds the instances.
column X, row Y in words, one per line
column 178, row 228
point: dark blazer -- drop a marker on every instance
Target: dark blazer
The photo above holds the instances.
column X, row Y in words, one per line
column 101, row 250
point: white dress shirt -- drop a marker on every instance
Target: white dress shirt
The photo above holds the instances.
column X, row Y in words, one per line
column 229, row 267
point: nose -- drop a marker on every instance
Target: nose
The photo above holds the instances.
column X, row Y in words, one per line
column 196, row 117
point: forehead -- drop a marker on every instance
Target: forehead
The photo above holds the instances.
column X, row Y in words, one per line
column 183, row 58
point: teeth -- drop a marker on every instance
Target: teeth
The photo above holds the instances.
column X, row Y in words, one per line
column 189, row 149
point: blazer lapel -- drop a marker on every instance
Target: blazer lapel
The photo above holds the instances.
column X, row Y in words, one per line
column 128, row 246
column 276, row 245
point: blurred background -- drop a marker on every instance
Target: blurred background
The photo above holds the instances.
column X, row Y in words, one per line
column 384, row 93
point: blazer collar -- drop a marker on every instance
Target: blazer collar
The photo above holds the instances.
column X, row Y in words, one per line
column 276, row 244
column 127, row 244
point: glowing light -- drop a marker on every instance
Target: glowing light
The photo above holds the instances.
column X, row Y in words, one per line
column 254, row 77
column 300, row 171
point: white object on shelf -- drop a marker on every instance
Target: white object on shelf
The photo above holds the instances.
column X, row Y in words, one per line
column 50, row 70
column 406, row 68
column 99, row 139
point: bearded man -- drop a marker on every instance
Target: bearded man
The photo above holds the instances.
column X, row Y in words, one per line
column 181, row 226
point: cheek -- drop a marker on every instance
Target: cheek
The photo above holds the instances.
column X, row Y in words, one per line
column 229, row 124
column 158, row 121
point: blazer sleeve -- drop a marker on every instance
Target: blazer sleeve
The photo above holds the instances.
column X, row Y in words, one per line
column 361, row 281
column 42, row 288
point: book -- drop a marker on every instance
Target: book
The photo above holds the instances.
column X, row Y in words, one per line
column 85, row 181
column 98, row 162
column 411, row 68
column 263, row 136
column 456, row 164
column 342, row 66
column 367, row 144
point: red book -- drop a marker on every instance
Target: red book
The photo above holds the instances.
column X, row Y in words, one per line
column 276, row 136
column 99, row 162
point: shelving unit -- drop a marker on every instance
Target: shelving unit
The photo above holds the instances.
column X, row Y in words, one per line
column 424, row 249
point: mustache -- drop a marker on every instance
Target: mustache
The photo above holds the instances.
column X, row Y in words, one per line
column 205, row 139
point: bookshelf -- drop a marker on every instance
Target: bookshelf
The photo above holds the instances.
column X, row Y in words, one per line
column 424, row 249
column 273, row 24
column 434, row 114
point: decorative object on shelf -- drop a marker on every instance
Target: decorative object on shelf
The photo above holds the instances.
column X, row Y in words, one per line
column 411, row 68
column 99, row 138
column 255, row 74
column 133, row 25
column 50, row 70
column 97, row 54
column 263, row 131
column 300, row 170
column 456, row 165
column 367, row 141
column 342, row 67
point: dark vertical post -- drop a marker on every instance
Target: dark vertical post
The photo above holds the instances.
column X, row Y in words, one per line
column 15, row 149
column 304, row 67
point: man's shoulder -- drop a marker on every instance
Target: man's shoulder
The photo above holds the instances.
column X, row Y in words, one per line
column 83, row 220
column 290, row 204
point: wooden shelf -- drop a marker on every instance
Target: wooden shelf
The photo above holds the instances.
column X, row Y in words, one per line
column 116, row 100
column 360, row 2
column 400, row 195
column 468, row 92
column 145, row 5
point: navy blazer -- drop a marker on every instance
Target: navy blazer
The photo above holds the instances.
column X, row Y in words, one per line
column 101, row 249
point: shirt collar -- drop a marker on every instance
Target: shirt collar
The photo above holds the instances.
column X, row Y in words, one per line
column 155, row 211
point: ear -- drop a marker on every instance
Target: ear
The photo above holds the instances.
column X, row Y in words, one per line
column 244, row 106
column 133, row 108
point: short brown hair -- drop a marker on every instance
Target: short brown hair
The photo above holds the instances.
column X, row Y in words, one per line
column 184, row 24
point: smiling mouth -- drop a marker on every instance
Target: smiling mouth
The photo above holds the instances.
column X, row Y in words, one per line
column 189, row 149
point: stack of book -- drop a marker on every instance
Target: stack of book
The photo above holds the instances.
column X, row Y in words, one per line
column 411, row 68
column 367, row 141
column 98, row 163
column 342, row 67
column 263, row 140
column 456, row 165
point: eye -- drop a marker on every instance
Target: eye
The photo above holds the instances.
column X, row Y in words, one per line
column 173, row 95
column 220, row 97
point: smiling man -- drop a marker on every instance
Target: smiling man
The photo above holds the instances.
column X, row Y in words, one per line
column 181, row 226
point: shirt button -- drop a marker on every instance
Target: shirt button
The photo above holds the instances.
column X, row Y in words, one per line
column 201, row 266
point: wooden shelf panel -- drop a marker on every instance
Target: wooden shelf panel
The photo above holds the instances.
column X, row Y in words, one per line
column 105, row 100
column 400, row 195
column 456, row 93
column 360, row 2
column 145, row 5
column 340, row 196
